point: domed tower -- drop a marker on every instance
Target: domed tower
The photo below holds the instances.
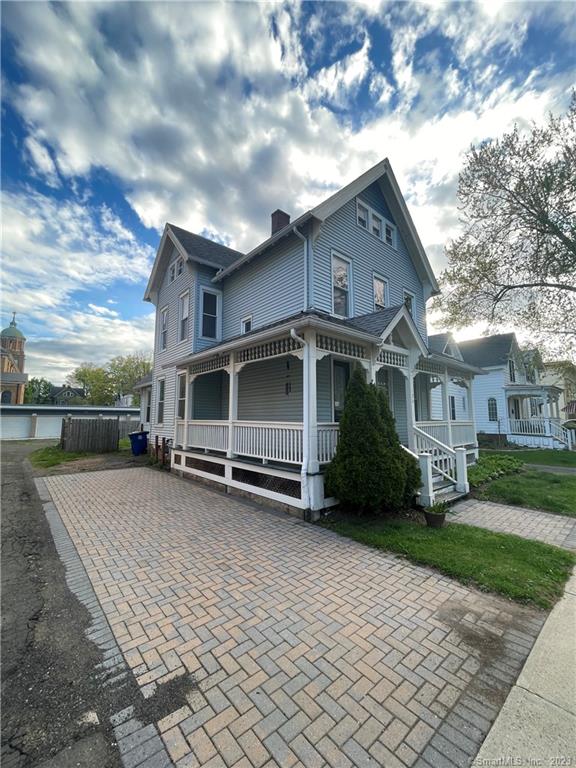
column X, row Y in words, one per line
column 12, row 377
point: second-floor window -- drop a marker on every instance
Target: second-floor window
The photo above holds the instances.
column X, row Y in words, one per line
column 380, row 293
column 492, row 409
column 164, row 328
column 340, row 286
column 512, row 370
column 246, row 324
column 183, row 309
column 209, row 315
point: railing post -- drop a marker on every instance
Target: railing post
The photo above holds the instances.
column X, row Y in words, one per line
column 462, row 484
column 33, row 425
column 232, row 403
column 446, row 405
column 427, row 489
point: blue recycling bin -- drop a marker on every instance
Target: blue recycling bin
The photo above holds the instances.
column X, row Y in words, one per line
column 138, row 442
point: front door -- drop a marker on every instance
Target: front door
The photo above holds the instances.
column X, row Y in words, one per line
column 341, row 379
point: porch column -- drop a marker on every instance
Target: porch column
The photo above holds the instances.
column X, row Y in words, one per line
column 310, row 416
column 446, row 405
column 186, row 409
column 472, row 415
column 410, row 413
column 232, row 403
column 546, row 414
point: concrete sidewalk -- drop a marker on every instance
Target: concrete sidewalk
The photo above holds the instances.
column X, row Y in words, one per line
column 537, row 723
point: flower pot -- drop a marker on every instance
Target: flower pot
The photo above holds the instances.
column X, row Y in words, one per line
column 434, row 520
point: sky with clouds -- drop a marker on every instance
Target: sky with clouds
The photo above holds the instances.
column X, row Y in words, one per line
column 118, row 117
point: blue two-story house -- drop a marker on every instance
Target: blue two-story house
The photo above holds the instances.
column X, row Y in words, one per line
column 253, row 351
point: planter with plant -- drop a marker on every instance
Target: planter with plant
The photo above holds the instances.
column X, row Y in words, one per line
column 435, row 514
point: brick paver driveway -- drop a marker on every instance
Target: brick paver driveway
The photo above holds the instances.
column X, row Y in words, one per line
column 307, row 648
column 527, row 523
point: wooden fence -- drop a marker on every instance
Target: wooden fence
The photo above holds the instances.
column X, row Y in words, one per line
column 93, row 435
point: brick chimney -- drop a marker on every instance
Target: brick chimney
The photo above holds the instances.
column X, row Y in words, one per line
column 279, row 220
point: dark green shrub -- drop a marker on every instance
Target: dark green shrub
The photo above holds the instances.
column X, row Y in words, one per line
column 355, row 474
column 370, row 471
column 411, row 474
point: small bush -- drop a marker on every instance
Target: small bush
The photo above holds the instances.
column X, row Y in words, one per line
column 370, row 471
column 490, row 467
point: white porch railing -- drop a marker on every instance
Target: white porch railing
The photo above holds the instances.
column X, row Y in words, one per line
column 443, row 457
column 527, row 426
column 327, row 442
column 463, row 432
column 212, row 435
column 270, row 441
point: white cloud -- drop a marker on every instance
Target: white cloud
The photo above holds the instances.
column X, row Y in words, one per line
column 42, row 163
column 339, row 82
column 103, row 311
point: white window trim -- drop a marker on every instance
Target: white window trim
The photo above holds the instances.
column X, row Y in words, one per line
column 181, row 316
column 163, row 312
column 340, row 255
column 160, row 423
column 218, row 295
column 383, row 223
column 178, row 398
column 406, row 292
column 244, row 320
column 377, row 276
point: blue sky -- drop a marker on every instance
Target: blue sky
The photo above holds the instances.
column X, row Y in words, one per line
column 118, row 117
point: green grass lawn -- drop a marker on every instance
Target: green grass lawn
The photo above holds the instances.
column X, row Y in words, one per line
column 52, row 455
column 534, row 489
column 539, row 456
column 527, row 571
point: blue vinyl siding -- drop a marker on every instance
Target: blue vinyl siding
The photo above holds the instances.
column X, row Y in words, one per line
column 269, row 288
column 368, row 255
column 262, row 390
column 210, row 396
column 324, row 389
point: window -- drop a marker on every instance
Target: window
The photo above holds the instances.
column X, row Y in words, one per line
column 184, row 303
column 179, row 266
column 512, row 370
column 164, row 328
column 172, row 272
column 246, row 324
column 182, row 396
column 160, row 409
column 376, row 224
column 340, row 286
column 492, row 409
column 363, row 214
column 209, row 315
column 389, row 234
column 452, row 401
column 409, row 301
column 380, row 293
column 148, row 397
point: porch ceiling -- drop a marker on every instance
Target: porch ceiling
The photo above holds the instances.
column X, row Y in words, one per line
column 531, row 390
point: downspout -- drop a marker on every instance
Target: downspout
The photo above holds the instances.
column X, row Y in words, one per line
column 299, row 234
column 305, row 429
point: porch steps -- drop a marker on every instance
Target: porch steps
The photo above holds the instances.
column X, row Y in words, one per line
column 445, row 490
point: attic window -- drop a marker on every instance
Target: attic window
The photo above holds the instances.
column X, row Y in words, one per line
column 375, row 223
column 179, row 266
column 362, row 216
column 389, row 234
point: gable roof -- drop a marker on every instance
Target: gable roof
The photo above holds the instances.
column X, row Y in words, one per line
column 382, row 171
column 437, row 341
column 193, row 248
column 488, row 351
column 55, row 391
column 145, row 381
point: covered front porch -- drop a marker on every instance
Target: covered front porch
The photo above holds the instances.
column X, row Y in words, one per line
column 533, row 416
column 271, row 406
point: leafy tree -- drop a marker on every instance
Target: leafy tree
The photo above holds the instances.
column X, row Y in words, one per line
column 365, row 474
column 126, row 370
column 95, row 381
column 38, row 391
column 412, row 475
column 515, row 263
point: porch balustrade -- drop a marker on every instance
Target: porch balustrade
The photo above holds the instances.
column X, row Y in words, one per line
column 463, row 432
column 541, row 427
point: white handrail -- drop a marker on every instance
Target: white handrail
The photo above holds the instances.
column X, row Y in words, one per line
column 443, row 457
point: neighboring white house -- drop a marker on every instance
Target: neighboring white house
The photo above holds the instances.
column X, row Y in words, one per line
column 253, row 351
column 562, row 375
column 511, row 402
